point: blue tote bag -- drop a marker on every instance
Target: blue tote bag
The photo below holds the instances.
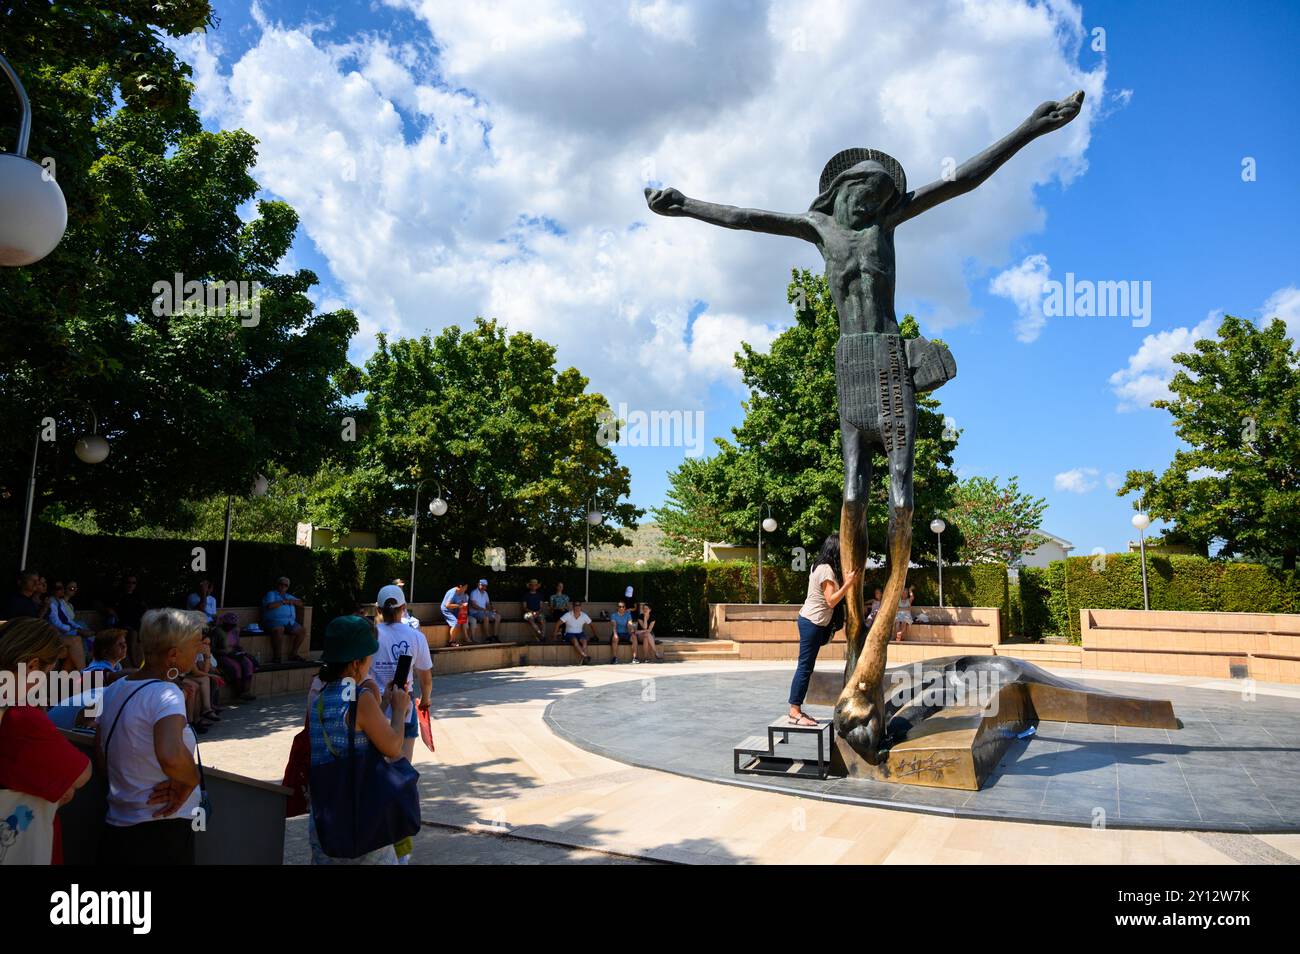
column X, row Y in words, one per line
column 362, row 802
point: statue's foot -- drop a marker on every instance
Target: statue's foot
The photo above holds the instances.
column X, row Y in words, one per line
column 860, row 723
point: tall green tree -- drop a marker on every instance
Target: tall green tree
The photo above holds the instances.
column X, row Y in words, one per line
column 1236, row 405
column 786, row 453
column 998, row 524
column 514, row 445
column 194, row 401
column 692, row 512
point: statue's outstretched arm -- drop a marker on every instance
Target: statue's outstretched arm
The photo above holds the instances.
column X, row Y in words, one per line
column 1046, row 118
column 672, row 202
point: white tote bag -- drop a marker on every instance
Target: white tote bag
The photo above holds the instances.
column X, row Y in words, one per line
column 26, row 828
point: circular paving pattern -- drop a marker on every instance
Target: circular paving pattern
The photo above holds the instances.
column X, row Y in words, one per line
column 1234, row 766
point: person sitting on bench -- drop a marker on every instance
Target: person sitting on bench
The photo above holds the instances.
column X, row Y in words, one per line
column 576, row 626
column 643, row 636
column 280, row 620
column 559, row 602
column 621, row 623
column 482, row 613
column 453, row 601
column 533, row 615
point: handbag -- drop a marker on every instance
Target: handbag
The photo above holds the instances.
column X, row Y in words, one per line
column 362, row 803
column 297, row 775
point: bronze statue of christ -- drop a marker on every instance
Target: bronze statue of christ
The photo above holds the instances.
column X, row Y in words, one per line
column 863, row 198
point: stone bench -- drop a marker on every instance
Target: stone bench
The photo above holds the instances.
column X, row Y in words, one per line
column 1263, row 646
column 956, row 626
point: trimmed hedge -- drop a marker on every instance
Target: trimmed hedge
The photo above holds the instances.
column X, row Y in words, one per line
column 335, row 581
column 1174, row 582
column 1036, row 620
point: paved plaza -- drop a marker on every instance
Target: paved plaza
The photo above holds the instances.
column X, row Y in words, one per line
column 505, row 787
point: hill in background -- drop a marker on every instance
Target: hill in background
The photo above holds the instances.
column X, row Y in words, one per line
column 647, row 545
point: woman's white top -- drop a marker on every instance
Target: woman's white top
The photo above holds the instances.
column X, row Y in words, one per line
column 133, row 768
column 815, row 609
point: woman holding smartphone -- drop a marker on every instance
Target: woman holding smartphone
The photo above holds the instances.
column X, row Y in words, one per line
column 397, row 639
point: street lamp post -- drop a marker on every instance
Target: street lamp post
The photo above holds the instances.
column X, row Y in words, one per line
column 770, row 526
column 33, row 213
column 437, row 507
column 594, row 519
column 937, row 526
column 1142, row 521
column 90, row 449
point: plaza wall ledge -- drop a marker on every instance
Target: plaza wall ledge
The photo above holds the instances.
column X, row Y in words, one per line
column 1261, row 646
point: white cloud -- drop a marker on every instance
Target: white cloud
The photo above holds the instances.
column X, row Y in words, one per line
column 1023, row 284
column 1151, row 367
column 1285, row 304
column 490, row 159
column 1114, row 481
column 1080, row 480
column 1149, row 370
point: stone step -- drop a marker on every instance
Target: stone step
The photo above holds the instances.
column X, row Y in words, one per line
column 697, row 645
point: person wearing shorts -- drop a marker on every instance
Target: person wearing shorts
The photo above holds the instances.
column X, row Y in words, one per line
column 576, row 627
column 621, row 621
column 452, row 602
column 482, row 613
column 396, row 639
column 533, row 614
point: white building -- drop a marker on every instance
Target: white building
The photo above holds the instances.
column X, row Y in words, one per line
column 1056, row 548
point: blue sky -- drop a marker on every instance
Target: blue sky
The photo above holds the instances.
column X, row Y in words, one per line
column 531, row 128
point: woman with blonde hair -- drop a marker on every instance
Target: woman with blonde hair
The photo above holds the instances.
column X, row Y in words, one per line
column 40, row 770
column 145, row 745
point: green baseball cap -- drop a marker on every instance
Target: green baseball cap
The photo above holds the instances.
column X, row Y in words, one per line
column 348, row 638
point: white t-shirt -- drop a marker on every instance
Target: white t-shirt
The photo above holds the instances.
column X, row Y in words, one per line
column 133, row 768
column 815, row 609
column 480, row 598
column 573, row 625
column 398, row 639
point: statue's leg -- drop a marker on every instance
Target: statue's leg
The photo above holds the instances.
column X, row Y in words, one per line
column 860, row 712
column 853, row 534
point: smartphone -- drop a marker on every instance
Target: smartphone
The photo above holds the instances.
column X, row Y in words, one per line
column 403, row 671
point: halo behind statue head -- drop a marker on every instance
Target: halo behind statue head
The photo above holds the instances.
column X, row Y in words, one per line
column 848, row 158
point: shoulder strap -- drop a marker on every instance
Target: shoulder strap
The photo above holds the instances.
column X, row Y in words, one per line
column 350, row 721
column 121, row 709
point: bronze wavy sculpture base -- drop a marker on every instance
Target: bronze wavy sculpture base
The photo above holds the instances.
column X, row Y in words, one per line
column 947, row 721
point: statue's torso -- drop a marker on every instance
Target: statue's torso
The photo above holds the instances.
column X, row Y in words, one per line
column 861, row 276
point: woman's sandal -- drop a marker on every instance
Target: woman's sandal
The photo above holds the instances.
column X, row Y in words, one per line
column 211, row 716
column 803, row 719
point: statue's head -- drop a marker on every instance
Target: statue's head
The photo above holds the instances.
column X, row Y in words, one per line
column 859, row 184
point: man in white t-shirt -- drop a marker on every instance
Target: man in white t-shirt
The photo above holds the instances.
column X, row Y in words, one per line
column 482, row 613
column 396, row 639
column 576, row 627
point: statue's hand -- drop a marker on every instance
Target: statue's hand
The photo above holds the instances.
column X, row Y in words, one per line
column 665, row 201
column 1050, row 116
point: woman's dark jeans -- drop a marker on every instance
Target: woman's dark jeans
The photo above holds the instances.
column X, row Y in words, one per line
column 811, row 638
